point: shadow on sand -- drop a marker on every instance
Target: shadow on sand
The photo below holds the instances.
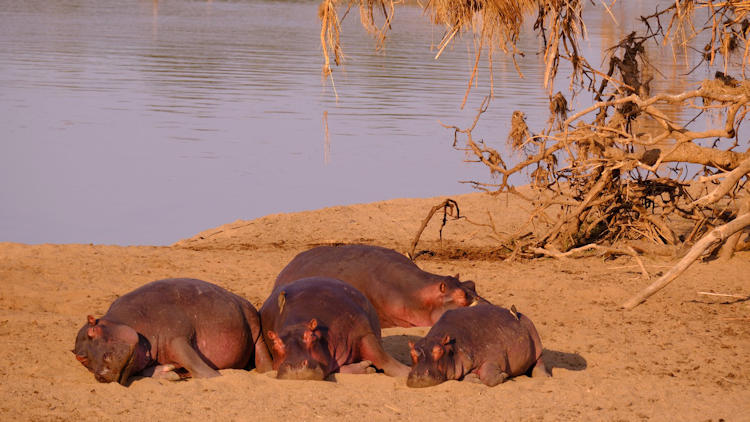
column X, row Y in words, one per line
column 570, row 361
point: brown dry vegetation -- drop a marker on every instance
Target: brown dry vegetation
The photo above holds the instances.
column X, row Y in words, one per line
column 622, row 169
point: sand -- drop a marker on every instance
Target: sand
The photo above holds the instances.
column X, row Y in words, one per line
column 680, row 356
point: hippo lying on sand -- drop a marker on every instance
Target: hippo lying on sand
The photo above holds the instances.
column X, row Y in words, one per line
column 402, row 294
column 317, row 326
column 174, row 324
column 487, row 341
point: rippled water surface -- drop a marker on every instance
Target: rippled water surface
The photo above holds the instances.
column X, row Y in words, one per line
column 143, row 122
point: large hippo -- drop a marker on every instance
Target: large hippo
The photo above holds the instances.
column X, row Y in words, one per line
column 402, row 294
column 317, row 326
column 487, row 341
column 170, row 326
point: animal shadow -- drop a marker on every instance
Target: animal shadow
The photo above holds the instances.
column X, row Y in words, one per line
column 397, row 345
column 570, row 361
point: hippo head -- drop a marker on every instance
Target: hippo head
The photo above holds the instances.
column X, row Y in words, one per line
column 301, row 353
column 433, row 361
column 450, row 293
column 107, row 349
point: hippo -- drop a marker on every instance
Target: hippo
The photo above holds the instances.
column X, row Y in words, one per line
column 170, row 329
column 485, row 341
column 317, row 326
column 402, row 294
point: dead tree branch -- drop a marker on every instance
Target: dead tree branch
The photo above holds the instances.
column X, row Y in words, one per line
column 717, row 235
column 448, row 204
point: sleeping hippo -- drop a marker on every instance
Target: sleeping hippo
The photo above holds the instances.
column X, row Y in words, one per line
column 485, row 341
column 169, row 326
column 317, row 326
column 402, row 294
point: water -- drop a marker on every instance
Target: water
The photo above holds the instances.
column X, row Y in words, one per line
column 144, row 122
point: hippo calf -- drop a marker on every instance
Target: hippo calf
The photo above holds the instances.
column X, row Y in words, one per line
column 317, row 326
column 487, row 341
column 172, row 325
column 402, row 293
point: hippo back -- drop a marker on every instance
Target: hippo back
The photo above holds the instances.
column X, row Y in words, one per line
column 358, row 265
column 327, row 299
column 163, row 303
column 487, row 330
column 402, row 293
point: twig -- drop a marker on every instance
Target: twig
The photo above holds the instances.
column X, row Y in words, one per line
column 590, row 246
column 445, row 205
column 724, row 295
column 640, row 263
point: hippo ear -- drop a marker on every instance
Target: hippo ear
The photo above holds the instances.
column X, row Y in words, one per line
column 447, row 339
column 94, row 331
column 91, row 320
column 469, row 285
column 312, row 325
column 442, row 287
column 457, row 276
column 413, row 353
column 437, row 352
column 83, row 359
column 277, row 343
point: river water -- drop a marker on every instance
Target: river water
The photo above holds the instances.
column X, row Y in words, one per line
column 144, row 122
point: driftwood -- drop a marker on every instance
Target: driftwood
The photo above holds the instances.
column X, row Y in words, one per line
column 718, row 234
column 630, row 251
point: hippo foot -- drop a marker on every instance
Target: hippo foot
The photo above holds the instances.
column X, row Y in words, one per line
column 540, row 370
column 491, row 374
column 271, row 374
column 363, row 367
column 163, row 372
column 474, row 378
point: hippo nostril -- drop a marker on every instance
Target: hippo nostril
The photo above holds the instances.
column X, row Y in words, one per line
column 305, row 363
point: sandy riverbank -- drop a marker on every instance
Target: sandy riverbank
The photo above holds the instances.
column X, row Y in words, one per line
column 681, row 356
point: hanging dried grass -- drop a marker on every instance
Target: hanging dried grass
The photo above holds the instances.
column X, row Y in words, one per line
column 496, row 24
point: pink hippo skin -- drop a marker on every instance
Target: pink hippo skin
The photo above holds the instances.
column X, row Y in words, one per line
column 317, row 326
column 402, row 294
column 485, row 341
column 172, row 325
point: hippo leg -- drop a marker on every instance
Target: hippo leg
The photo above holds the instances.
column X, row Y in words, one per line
column 540, row 369
column 371, row 349
column 163, row 372
column 363, row 367
column 263, row 359
column 186, row 357
column 491, row 374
